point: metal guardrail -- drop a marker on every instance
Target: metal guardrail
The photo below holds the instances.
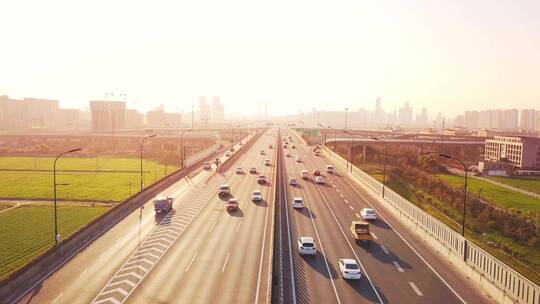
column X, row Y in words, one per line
column 512, row 283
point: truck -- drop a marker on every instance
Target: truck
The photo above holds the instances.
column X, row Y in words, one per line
column 360, row 231
column 163, row 204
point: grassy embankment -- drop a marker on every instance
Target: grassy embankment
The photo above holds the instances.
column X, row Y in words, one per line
column 27, row 231
column 531, row 184
column 525, row 259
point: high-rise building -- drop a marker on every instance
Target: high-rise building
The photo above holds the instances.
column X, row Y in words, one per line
column 422, row 119
column 218, row 110
column 204, row 110
column 526, row 120
column 108, row 115
column 509, row 119
column 134, row 119
column 405, row 115
column 537, row 121
column 471, row 119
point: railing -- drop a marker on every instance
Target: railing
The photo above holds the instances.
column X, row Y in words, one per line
column 513, row 284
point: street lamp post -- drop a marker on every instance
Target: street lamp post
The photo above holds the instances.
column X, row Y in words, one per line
column 385, row 161
column 346, row 114
column 183, row 151
column 56, row 235
column 349, row 162
column 142, row 144
column 464, row 203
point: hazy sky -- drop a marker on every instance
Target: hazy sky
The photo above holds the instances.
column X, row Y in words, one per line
column 449, row 56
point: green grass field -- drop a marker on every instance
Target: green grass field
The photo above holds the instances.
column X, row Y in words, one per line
column 501, row 196
column 28, row 231
column 93, row 186
column 531, row 184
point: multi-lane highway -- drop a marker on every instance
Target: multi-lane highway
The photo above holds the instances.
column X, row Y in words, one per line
column 200, row 253
column 393, row 271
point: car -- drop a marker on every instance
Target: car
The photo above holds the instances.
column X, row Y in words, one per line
column 293, row 146
column 228, row 154
column 329, row 168
column 306, row 245
column 269, row 146
column 298, row 203
column 316, row 172
column 298, row 160
column 305, row 174
column 231, row 149
column 368, row 214
column 293, row 181
column 206, row 166
column 261, row 179
column 239, row 170
column 262, row 152
column 349, row 269
column 317, row 153
column 256, row 196
column 267, row 162
column 232, row 205
column 287, row 154
column 224, row 190
column 252, row 170
column 320, row 180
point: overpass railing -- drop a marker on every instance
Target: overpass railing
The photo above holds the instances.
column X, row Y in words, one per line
column 512, row 284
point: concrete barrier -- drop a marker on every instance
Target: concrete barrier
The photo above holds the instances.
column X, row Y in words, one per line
column 33, row 273
column 500, row 281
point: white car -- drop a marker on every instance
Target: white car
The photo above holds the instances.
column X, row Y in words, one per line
column 349, row 269
column 298, row 159
column 293, row 181
column 228, row 154
column 252, row 170
column 305, row 174
column 306, row 245
column 368, row 214
column 267, row 162
column 262, row 152
column 206, row 166
column 297, row 203
column 261, row 179
column 239, row 170
column 256, row 196
column 320, row 180
column 329, row 168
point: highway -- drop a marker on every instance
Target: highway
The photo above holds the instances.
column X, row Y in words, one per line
column 215, row 255
column 392, row 270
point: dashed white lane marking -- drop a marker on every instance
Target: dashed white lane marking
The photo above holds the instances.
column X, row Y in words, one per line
column 357, row 215
column 374, row 236
column 341, row 195
column 351, row 207
column 334, row 186
column 346, row 201
column 384, row 249
column 398, row 266
column 337, row 189
column 58, row 297
column 238, row 226
column 418, row 292
column 226, row 260
column 83, row 273
column 212, row 227
column 192, row 260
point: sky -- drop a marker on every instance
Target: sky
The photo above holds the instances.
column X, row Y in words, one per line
column 448, row 56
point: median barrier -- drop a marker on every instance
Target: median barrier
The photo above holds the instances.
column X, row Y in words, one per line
column 500, row 281
column 31, row 275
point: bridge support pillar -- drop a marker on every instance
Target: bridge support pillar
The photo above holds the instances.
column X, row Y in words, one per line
column 364, row 152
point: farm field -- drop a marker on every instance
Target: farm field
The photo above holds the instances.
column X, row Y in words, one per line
column 28, row 231
column 86, row 186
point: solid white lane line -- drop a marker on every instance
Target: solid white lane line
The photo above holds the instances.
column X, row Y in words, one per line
column 238, row 226
column 406, row 242
column 83, row 273
column 192, row 260
column 226, row 260
column 212, row 227
column 418, row 292
column 384, row 249
column 398, row 266
column 357, row 215
column 58, row 297
column 351, row 207
column 374, row 236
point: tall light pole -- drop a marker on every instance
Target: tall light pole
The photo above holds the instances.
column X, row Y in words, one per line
column 385, row 161
column 350, row 148
column 56, row 235
column 346, row 114
column 142, row 144
column 183, row 151
column 464, row 203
